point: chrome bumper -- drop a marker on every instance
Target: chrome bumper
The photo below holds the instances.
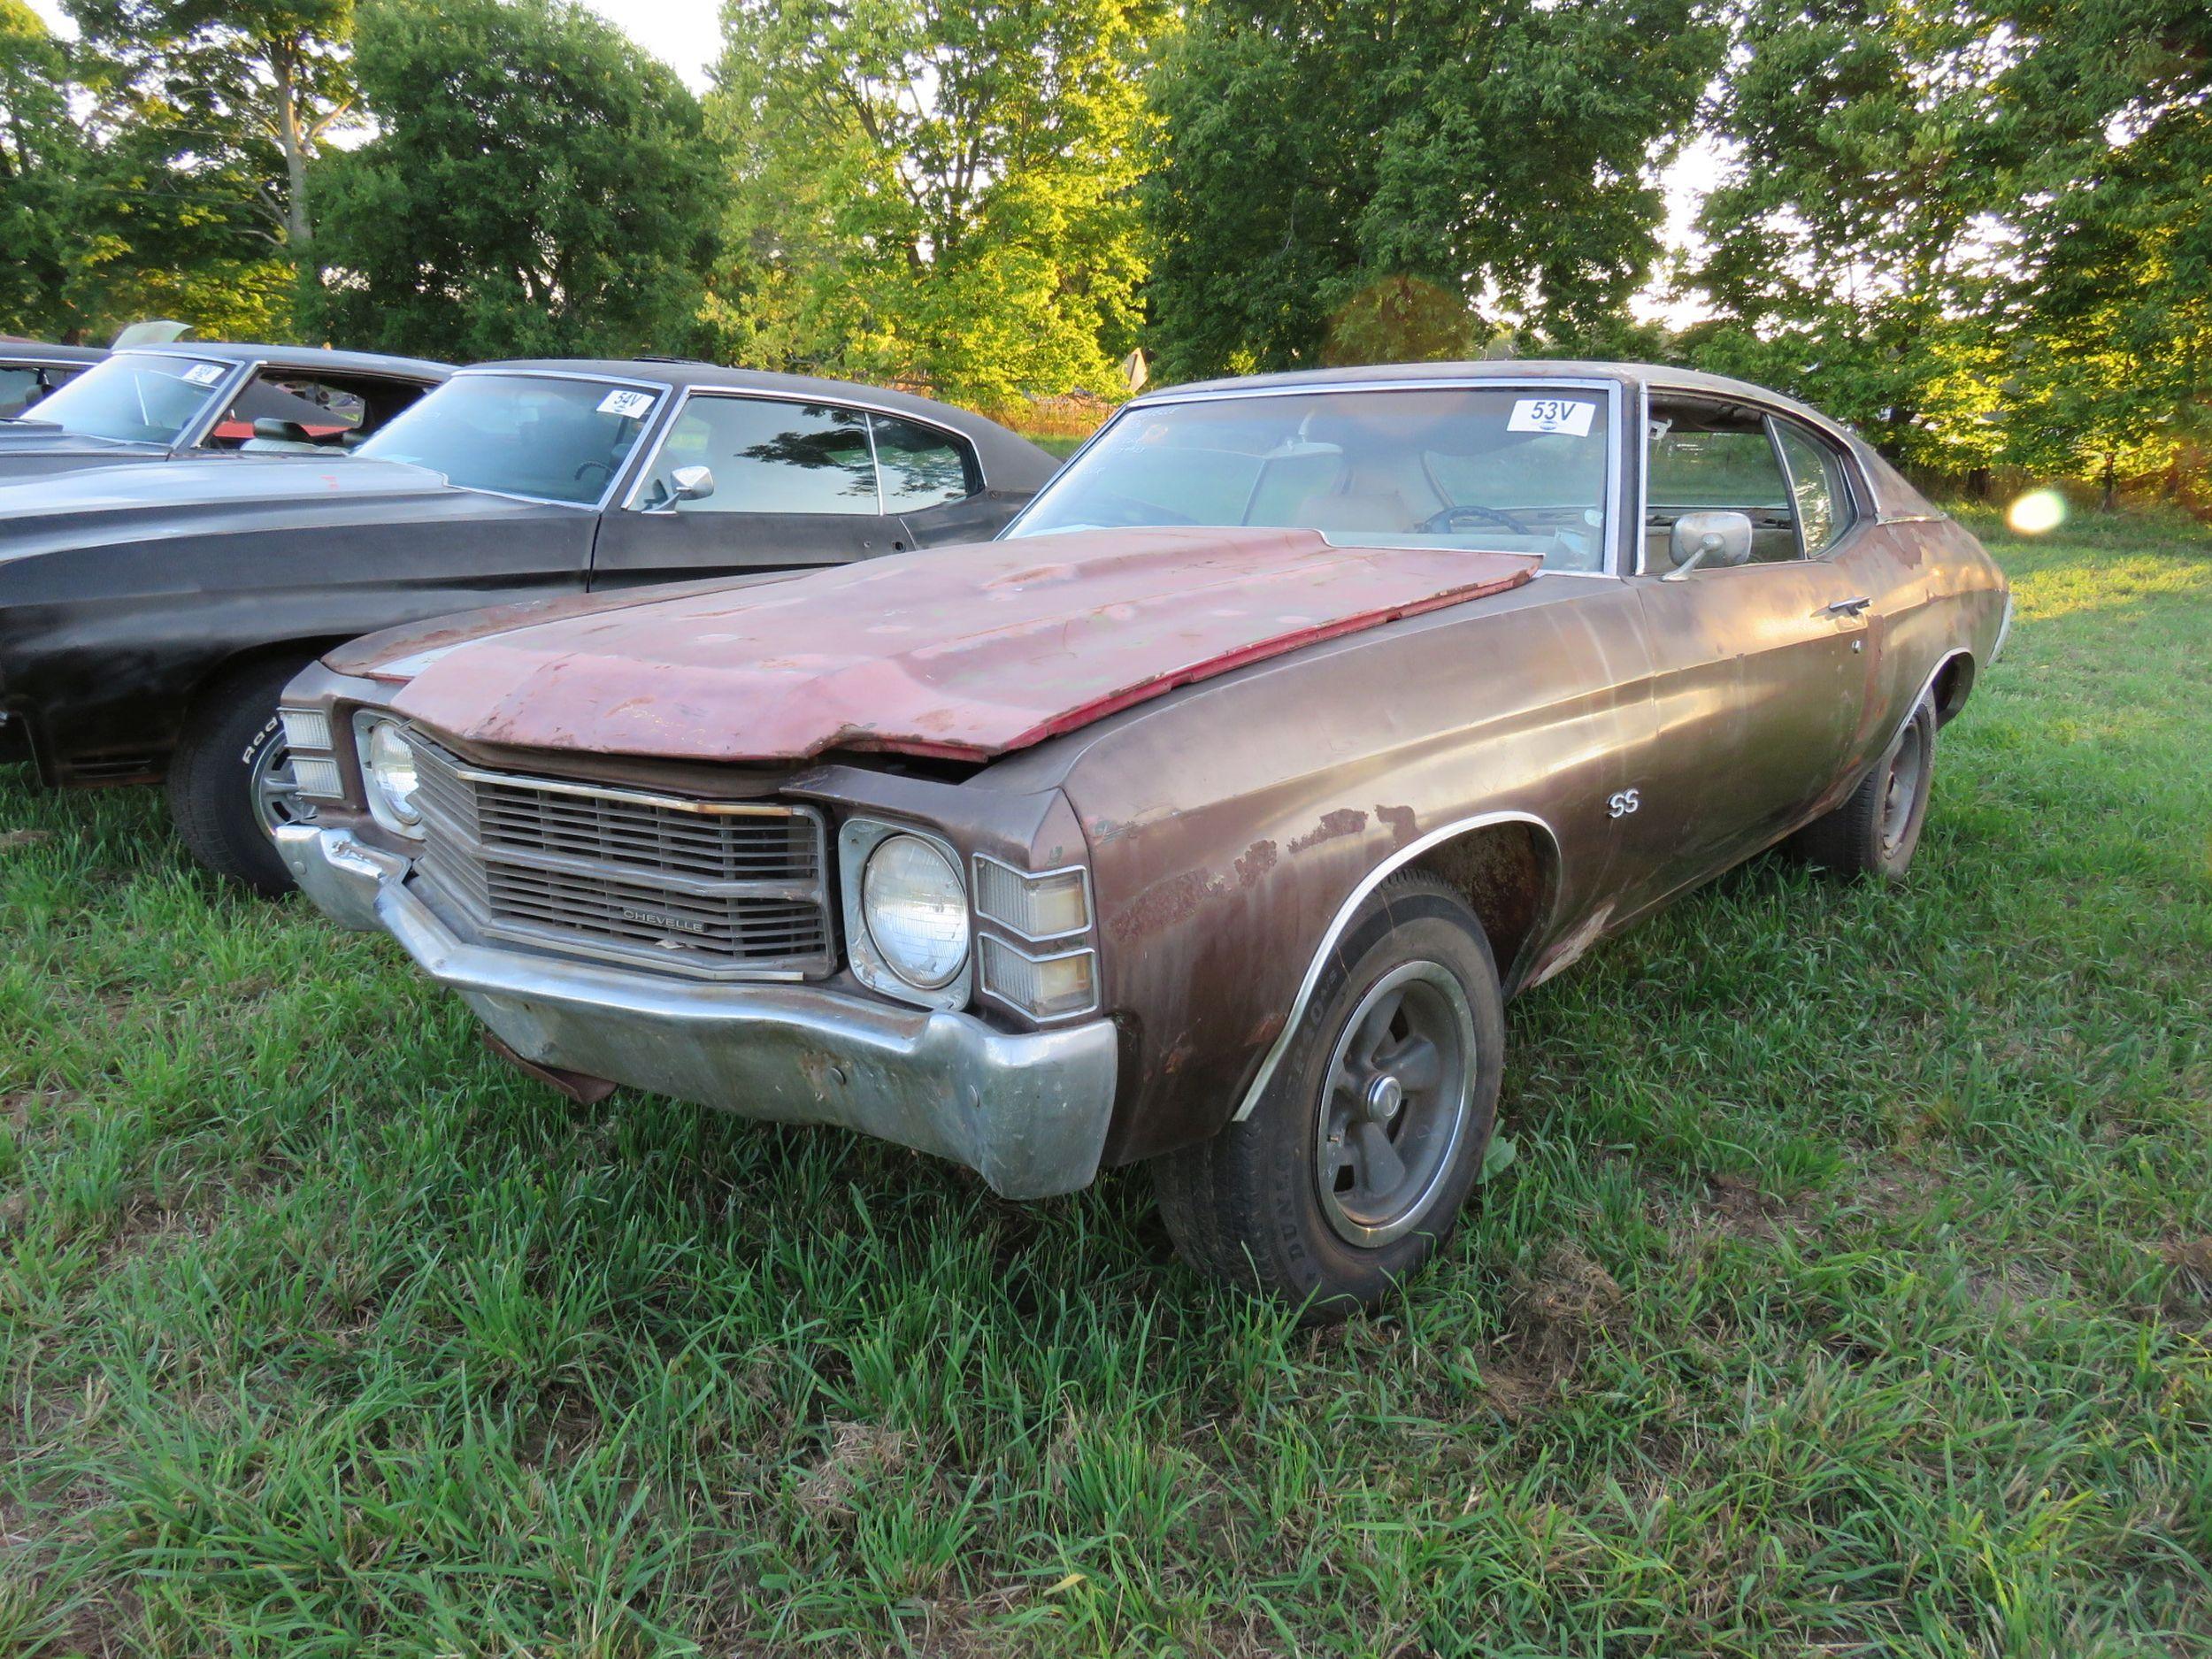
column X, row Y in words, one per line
column 1028, row 1112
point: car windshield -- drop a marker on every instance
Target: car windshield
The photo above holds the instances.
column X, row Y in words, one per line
column 544, row 435
column 136, row 397
column 1519, row 469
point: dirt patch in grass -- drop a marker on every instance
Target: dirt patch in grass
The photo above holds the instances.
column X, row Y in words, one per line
column 856, row 1452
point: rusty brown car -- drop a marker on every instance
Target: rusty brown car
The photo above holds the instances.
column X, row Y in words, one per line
column 1207, row 818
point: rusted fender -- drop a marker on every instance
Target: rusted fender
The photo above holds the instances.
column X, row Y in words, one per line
column 963, row 653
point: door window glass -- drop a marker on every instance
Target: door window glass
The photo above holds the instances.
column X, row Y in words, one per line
column 767, row 456
column 921, row 468
column 1717, row 459
column 1816, row 484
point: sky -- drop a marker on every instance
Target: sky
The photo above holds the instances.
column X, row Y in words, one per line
column 686, row 34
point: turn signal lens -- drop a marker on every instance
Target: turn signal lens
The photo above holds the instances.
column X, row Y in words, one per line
column 317, row 775
column 306, row 728
column 1046, row 987
column 1049, row 906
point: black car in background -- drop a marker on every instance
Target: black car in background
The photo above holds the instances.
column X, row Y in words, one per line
column 149, row 616
column 29, row 369
column 188, row 401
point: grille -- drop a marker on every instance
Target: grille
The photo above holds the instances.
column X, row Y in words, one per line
column 711, row 890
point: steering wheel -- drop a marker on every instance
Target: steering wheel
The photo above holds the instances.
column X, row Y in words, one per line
column 588, row 466
column 1444, row 522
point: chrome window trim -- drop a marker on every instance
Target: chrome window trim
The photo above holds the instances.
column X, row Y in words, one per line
column 1090, row 910
column 685, row 393
column 857, row 838
column 1342, row 920
column 1613, row 390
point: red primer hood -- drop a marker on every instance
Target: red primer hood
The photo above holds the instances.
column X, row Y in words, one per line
column 963, row 652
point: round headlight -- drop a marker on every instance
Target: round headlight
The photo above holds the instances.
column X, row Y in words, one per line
column 389, row 765
column 915, row 911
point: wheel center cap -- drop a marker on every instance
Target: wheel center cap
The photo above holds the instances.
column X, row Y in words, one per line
column 1385, row 1095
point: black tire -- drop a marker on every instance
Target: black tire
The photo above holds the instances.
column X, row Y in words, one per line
column 233, row 731
column 1248, row 1206
column 1876, row 831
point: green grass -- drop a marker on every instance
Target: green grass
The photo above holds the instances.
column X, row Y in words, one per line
column 1848, row 1293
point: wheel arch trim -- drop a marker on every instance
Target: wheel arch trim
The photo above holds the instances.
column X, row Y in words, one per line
column 1399, row 858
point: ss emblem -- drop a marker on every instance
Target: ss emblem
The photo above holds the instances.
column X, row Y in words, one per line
column 1622, row 804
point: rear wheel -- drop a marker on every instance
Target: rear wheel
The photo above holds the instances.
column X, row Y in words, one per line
column 1355, row 1163
column 230, row 781
column 1877, row 830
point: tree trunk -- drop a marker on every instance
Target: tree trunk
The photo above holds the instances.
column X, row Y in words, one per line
column 297, row 233
column 2111, row 502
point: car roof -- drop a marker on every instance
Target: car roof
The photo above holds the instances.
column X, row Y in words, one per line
column 45, row 351
column 303, row 359
column 1007, row 456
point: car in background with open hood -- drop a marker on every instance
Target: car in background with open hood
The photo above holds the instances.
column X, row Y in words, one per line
column 193, row 401
column 150, row 615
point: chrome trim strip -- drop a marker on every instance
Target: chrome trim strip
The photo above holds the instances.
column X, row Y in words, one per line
column 601, row 792
column 1927, row 689
column 1342, row 919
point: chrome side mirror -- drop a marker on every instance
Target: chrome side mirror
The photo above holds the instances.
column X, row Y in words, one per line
column 696, row 483
column 1722, row 540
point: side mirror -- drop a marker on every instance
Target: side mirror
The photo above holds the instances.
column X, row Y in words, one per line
column 1722, row 540
column 696, row 483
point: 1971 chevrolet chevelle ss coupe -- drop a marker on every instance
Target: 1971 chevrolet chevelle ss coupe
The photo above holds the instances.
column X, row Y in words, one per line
column 148, row 616
column 1206, row 819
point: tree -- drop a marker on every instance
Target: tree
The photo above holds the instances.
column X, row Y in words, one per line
column 1343, row 180
column 252, row 86
column 2111, row 308
column 40, row 150
column 937, row 191
column 538, row 185
column 1850, row 249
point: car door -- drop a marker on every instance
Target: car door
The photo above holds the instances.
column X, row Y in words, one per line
column 742, row 484
column 1759, row 672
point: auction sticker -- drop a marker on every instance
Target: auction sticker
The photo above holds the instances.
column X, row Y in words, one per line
column 631, row 405
column 203, row 373
column 1552, row 414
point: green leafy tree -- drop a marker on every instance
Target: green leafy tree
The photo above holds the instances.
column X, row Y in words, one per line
column 934, row 191
column 2110, row 309
column 1850, row 251
column 1348, row 179
column 538, row 185
column 40, row 157
column 247, row 90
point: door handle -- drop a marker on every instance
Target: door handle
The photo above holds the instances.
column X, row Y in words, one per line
column 1848, row 607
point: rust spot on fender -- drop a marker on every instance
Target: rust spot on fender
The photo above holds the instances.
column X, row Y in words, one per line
column 1164, row 904
column 1404, row 827
column 1258, row 859
column 1344, row 821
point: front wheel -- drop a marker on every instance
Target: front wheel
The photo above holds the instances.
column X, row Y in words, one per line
column 1877, row 830
column 230, row 781
column 1354, row 1166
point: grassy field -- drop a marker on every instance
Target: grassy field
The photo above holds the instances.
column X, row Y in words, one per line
column 1851, row 1291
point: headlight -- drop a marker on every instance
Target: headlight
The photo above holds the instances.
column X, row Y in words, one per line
column 915, row 911
column 388, row 768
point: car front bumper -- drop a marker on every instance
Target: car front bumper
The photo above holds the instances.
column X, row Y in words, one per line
column 1028, row 1112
